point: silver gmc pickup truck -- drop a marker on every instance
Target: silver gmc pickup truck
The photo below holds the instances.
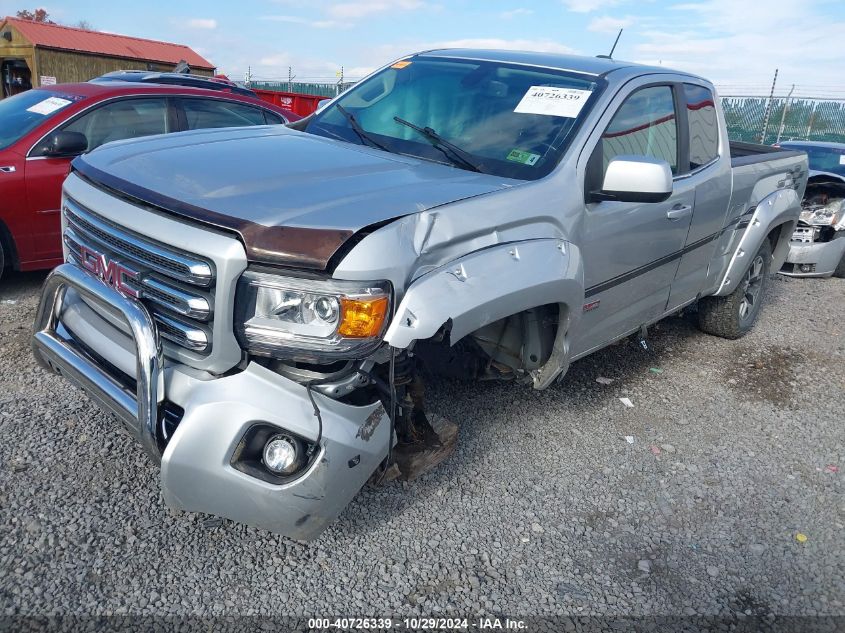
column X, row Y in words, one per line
column 257, row 305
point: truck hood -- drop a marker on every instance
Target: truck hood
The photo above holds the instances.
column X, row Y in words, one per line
column 294, row 198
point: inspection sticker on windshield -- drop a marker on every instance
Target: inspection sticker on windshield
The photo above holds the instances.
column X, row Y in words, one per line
column 50, row 105
column 526, row 158
column 842, row 159
column 551, row 101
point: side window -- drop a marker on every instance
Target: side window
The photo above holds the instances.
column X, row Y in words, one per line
column 273, row 119
column 127, row 118
column 644, row 125
column 703, row 125
column 201, row 114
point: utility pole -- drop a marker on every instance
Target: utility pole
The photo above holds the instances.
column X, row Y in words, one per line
column 290, row 79
column 768, row 109
column 783, row 114
column 248, row 76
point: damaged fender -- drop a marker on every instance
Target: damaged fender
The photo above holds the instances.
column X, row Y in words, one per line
column 776, row 209
column 491, row 284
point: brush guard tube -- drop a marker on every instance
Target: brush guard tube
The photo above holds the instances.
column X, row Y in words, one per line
column 138, row 410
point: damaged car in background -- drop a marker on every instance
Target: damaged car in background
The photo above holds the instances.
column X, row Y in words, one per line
column 257, row 305
column 817, row 248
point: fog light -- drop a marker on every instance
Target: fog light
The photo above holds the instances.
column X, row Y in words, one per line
column 282, row 455
column 806, row 268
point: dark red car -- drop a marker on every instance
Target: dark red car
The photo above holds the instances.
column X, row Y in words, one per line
column 42, row 130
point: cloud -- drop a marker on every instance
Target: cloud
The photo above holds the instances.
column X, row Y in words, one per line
column 588, row 6
column 363, row 8
column 275, row 61
column 508, row 15
column 722, row 41
column 202, row 23
column 607, row 24
column 294, row 19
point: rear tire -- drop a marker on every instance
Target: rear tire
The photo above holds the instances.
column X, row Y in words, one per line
column 840, row 269
column 2, row 259
column 733, row 316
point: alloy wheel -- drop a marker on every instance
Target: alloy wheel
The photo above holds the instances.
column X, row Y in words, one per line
column 752, row 285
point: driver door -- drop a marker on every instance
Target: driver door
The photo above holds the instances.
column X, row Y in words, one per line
column 121, row 119
column 631, row 250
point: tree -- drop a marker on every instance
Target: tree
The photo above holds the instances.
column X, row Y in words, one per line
column 39, row 15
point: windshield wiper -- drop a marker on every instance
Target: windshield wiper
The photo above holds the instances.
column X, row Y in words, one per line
column 450, row 150
column 361, row 132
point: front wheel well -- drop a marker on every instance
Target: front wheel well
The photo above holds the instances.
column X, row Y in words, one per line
column 508, row 348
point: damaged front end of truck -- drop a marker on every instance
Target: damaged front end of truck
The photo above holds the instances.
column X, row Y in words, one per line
column 817, row 247
column 266, row 395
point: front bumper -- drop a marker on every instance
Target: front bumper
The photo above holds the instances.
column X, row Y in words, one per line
column 196, row 474
column 819, row 259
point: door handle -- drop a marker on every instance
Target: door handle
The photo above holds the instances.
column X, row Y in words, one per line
column 7, row 170
column 679, row 211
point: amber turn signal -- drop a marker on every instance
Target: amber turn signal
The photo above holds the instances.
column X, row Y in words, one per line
column 362, row 318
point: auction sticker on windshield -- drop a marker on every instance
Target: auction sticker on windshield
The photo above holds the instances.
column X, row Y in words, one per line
column 49, row 105
column 551, row 101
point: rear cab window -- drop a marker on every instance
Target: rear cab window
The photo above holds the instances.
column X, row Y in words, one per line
column 703, row 125
column 24, row 112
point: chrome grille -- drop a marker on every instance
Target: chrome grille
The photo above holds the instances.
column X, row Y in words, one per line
column 177, row 287
column 154, row 255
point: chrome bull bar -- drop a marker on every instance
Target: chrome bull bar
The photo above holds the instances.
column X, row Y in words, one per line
column 138, row 411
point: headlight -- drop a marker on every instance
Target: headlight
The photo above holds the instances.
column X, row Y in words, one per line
column 310, row 319
column 823, row 215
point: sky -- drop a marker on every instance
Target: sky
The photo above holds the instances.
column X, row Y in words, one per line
column 737, row 44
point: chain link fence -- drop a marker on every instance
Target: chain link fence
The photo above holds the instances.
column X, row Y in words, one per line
column 302, row 87
column 788, row 119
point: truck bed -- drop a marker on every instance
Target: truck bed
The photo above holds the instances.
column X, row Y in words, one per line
column 757, row 171
column 750, row 153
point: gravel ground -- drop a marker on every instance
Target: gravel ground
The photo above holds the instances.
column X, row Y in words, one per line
column 545, row 508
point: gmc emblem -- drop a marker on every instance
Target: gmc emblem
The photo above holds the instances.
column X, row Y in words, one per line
column 113, row 273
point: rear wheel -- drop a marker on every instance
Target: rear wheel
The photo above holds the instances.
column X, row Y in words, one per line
column 2, row 259
column 734, row 315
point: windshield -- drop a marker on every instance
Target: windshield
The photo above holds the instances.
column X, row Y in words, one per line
column 24, row 112
column 830, row 159
column 502, row 119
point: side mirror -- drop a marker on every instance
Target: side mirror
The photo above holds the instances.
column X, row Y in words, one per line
column 635, row 179
column 64, row 143
column 322, row 103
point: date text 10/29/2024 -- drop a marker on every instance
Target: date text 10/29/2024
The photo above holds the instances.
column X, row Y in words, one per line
column 416, row 624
